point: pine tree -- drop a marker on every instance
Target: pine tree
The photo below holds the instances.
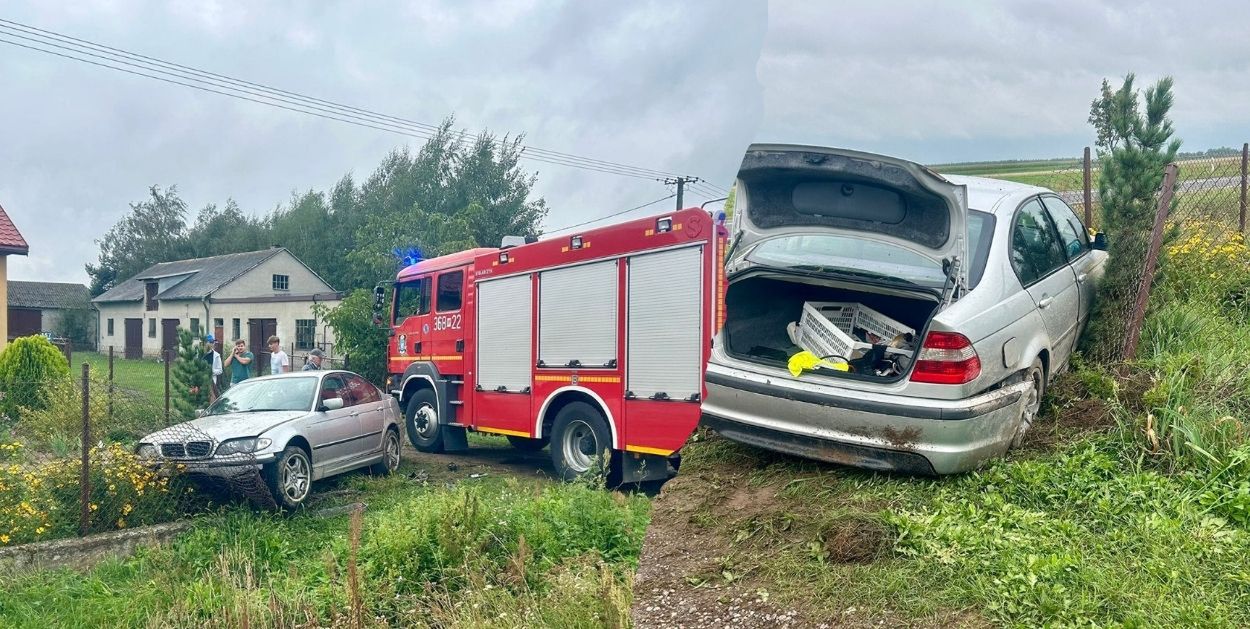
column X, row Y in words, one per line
column 190, row 376
column 1133, row 151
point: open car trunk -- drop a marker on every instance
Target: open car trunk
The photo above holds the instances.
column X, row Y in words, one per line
column 763, row 307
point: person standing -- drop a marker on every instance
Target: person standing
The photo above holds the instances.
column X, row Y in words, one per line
column 213, row 358
column 279, row 362
column 315, row 358
column 239, row 361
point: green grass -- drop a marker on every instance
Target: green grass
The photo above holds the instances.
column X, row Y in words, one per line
column 490, row 552
column 145, row 375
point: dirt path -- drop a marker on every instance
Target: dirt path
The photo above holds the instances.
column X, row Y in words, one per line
column 688, row 575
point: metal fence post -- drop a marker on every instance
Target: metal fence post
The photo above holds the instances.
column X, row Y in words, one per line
column 167, row 358
column 1245, row 157
column 110, row 382
column 1133, row 333
column 84, row 479
column 1088, row 190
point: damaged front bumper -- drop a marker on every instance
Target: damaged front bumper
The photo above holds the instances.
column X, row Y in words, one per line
column 859, row 428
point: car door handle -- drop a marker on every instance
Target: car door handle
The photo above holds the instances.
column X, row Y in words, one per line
column 1044, row 302
column 1080, row 279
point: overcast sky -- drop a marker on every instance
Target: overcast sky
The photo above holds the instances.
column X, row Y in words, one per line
column 674, row 86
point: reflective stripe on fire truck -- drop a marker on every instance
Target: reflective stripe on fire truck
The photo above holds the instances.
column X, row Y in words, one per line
column 409, row 359
column 578, row 378
column 646, row 450
column 501, row 431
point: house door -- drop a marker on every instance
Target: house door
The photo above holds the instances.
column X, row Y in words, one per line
column 24, row 322
column 258, row 331
column 134, row 338
column 169, row 335
column 219, row 334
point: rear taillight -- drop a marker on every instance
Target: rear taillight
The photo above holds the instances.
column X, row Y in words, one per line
column 946, row 358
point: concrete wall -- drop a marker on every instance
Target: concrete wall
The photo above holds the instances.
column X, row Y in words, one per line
column 259, row 281
column 286, row 314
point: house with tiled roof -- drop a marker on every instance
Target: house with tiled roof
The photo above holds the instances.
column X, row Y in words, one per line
column 53, row 309
column 250, row 296
column 11, row 244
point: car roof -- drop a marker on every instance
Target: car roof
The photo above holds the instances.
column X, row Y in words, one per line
column 988, row 195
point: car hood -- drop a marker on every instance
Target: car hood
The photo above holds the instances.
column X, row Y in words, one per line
column 794, row 189
column 224, row 427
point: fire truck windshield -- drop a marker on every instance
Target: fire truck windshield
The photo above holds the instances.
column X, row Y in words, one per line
column 411, row 298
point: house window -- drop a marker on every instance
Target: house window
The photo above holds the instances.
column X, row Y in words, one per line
column 305, row 333
column 150, row 296
column 237, row 334
column 110, row 327
column 281, row 282
column 151, row 328
column 195, row 327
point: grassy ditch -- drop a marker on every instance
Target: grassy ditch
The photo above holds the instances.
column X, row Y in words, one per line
column 1129, row 506
column 482, row 552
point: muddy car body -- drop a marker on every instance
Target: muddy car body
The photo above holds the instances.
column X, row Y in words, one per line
column 996, row 278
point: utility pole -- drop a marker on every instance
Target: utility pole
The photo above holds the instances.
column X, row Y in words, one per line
column 681, row 186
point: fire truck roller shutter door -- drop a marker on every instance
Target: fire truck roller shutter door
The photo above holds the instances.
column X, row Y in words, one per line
column 665, row 323
column 577, row 315
column 504, row 333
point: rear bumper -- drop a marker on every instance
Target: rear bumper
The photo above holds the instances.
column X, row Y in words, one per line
column 863, row 429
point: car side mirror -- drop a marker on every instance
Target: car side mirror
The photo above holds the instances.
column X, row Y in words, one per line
column 1100, row 242
column 331, row 404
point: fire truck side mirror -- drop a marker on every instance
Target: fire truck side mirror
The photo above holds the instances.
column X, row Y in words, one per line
column 379, row 297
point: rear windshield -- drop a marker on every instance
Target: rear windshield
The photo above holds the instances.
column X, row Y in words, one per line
column 861, row 256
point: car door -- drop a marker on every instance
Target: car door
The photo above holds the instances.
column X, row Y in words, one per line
column 334, row 434
column 1085, row 262
column 1038, row 260
column 370, row 412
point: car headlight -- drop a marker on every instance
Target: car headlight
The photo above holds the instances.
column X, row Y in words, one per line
column 246, row 445
column 147, row 451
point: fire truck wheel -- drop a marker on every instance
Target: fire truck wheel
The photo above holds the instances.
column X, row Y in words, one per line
column 580, row 441
column 527, row 444
column 423, row 421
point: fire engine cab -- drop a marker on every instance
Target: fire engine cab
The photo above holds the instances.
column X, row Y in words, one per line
column 595, row 343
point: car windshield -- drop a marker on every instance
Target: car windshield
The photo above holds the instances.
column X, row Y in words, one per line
column 869, row 258
column 278, row 394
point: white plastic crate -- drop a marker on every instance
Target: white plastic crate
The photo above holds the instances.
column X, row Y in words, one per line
column 825, row 328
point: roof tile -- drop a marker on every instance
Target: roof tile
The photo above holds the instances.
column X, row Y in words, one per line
column 11, row 240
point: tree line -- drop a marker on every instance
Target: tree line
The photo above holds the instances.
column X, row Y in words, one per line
column 453, row 193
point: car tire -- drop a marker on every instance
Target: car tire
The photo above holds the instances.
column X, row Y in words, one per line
column 527, row 444
column 578, row 435
column 1032, row 405
column 289, row 478
column 390, row 454
column 424, row 427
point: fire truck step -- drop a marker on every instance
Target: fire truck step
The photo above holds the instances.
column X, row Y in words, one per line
column 455, row 382
column 456, row 402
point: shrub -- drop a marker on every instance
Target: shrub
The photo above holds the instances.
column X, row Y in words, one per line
column 191, row 376
column 364, row 344
column 43, row 501
column 27, row 366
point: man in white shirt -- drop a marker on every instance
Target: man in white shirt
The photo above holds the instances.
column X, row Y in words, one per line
column 278, row 360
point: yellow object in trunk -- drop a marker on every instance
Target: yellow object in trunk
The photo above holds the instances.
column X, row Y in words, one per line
column 805, row 360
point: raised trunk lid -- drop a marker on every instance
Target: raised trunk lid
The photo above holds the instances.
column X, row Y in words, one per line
column 795, row 189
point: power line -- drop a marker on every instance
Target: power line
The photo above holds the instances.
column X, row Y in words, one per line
column 612, row 215
column 298, row 102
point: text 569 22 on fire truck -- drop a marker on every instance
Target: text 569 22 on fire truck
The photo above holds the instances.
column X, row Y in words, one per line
column 594, row 342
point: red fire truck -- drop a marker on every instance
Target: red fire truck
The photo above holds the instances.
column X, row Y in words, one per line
column 594, row 342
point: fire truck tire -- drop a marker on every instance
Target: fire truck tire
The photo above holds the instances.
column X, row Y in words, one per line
column 526, row 444
column 424, row 427
column 578, row 436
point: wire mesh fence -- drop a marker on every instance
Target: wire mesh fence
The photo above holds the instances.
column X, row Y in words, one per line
column 87, row 454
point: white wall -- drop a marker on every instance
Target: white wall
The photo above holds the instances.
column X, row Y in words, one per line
column 259, row 281
column 285, row 313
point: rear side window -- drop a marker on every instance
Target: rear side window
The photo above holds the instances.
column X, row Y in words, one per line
column 1072, row 233
column 980, row 235
column 1035, row 249
column 449, row 287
